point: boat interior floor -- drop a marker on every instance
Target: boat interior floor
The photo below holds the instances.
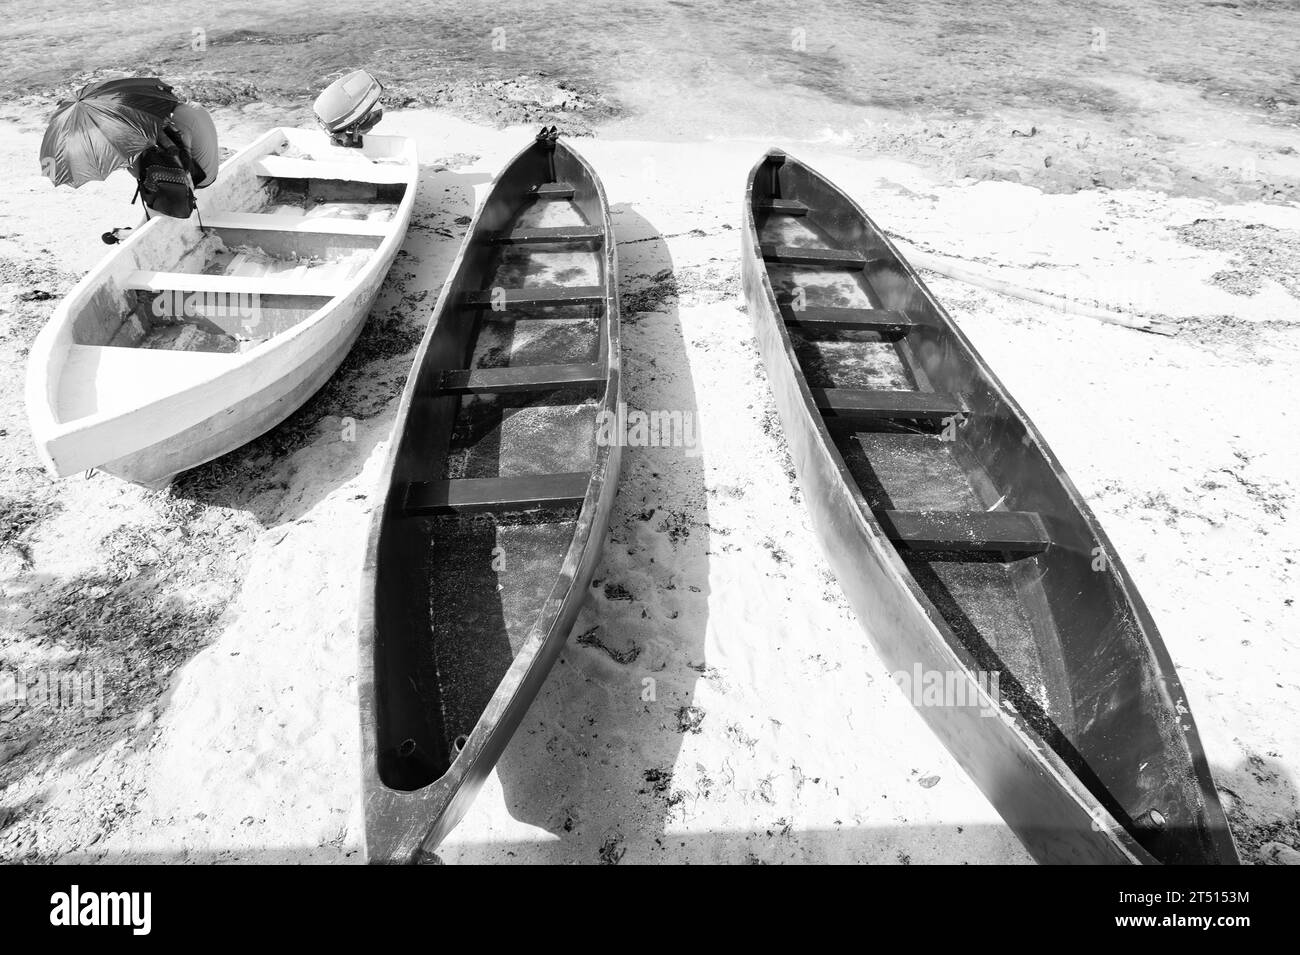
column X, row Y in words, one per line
column 253, row 273
column 489, row 575
column 502, row 507
column 911, row 470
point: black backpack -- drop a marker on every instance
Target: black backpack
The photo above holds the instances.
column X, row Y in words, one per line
column 164, row 178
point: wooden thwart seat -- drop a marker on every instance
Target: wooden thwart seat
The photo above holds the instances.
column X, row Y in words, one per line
column 785, row 207
column 581, row 233
column 265, row 222
column 520, row 378
column 975, row 531
column 525, row 297
column 145, row 281
column 283, row 167
column 101, row 379
column 554, row 190
column 860, row 403
column 476, row 495
column 814, row 258
column 847, row 319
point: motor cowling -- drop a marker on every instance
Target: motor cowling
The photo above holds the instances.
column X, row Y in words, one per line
column 349, row 107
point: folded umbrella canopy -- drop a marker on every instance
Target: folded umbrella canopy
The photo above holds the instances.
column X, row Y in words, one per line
column 106, row 126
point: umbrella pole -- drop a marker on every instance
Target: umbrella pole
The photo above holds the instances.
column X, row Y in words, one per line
column 190, row 179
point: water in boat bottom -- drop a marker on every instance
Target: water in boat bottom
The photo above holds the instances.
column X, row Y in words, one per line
column 489, row 577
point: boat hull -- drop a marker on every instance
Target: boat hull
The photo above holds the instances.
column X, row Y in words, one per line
column 417, row 674
column 227, row 400
column 1058, row 815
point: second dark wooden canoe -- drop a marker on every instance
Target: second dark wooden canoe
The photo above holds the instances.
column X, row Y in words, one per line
column 496, row 496
column 965, row 549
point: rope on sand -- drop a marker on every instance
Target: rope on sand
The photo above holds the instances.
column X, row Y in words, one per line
column 943, row 265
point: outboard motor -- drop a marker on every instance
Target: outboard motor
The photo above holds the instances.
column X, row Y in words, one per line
column 349, row 107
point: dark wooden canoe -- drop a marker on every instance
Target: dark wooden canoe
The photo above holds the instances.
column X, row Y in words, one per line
column 496, row 497
column 964, row 548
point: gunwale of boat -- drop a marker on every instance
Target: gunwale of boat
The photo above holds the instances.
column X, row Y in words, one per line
column 403, row 823
column 206, row 382
column 845, row 501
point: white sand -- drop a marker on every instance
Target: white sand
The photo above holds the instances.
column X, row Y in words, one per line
column 775, row 734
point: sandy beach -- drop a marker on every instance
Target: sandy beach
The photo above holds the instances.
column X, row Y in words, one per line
column 220, row 612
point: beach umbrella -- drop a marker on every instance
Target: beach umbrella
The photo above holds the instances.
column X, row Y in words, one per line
column 104, row 127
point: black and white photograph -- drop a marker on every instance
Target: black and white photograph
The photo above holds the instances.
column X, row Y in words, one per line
column 650, row 432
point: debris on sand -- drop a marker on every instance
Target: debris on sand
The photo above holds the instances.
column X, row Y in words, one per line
column 1258, row 253
column 612, row 850
column 690, row 719
column 591, row 638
